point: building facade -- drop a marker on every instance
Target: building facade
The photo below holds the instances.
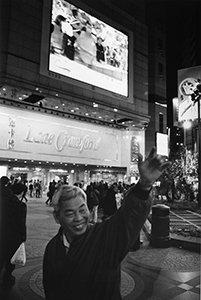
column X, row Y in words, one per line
column 53, row 124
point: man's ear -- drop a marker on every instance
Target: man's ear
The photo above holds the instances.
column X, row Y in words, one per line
column 20, row 195
column 55, row 215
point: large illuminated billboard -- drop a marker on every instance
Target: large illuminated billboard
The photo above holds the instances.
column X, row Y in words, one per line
column 82, row 47
column 188, row 80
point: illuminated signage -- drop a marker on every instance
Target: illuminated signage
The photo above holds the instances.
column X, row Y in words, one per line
column 82, row 47
column 62, row 140
column 188, row 79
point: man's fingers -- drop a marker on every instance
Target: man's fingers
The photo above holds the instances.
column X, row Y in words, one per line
column 140, row 157
column 152, row 153
column 165, row 165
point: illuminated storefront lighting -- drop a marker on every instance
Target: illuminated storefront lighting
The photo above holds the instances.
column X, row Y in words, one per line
column 20, row 169
column 58, row 171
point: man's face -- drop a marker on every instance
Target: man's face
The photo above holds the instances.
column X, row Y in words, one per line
column 73, row 217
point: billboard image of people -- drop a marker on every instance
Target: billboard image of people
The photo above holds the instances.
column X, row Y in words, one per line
column 188, row 80
column 85, row 48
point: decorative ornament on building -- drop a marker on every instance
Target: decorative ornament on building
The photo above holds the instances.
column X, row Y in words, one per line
column 188, row 86
column 134, row 149
column 11, row 142
column 14, row 93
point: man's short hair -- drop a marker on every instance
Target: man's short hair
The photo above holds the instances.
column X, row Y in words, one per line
column 64, row 193
column 4, row 180
column 17, row 188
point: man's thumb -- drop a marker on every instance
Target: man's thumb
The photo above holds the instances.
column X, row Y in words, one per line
column 140, row 157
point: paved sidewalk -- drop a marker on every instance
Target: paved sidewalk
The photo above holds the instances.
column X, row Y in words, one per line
column 147, row 274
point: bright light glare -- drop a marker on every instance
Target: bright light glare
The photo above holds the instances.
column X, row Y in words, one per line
column 187, row 124
column 138, row 138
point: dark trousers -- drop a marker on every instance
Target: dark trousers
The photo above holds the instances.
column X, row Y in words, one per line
column 7, row 254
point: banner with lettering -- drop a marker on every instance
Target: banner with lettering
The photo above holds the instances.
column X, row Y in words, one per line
column 32, row 135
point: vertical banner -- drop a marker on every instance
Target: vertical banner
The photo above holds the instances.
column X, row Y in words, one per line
column 135, row 148
column 175, row 111
column 162, row 143
column 188, row 80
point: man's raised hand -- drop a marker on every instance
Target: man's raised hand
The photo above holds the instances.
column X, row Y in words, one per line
column 151, row 168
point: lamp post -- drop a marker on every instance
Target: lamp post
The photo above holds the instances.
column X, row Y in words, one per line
column 199, row 154
column 187, row 124
column 196, row 97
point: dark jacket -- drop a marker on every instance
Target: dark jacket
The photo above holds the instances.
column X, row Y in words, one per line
column 109, row 203
column 91, row 268
column 13, row 224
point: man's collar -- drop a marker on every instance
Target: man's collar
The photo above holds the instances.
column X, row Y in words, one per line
column 65, row 241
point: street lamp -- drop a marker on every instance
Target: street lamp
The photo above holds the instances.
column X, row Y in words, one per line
column 186, row 125
column 196, row 97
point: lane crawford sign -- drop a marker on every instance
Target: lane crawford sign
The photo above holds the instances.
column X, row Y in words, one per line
column 32, row 135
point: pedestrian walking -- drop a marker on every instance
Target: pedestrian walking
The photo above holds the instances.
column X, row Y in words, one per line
column 93, row 201
column 38, row 188
column 109, row 202
column 13, row 227
column 25, row 192
column 31, row 187
column 50, row 193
